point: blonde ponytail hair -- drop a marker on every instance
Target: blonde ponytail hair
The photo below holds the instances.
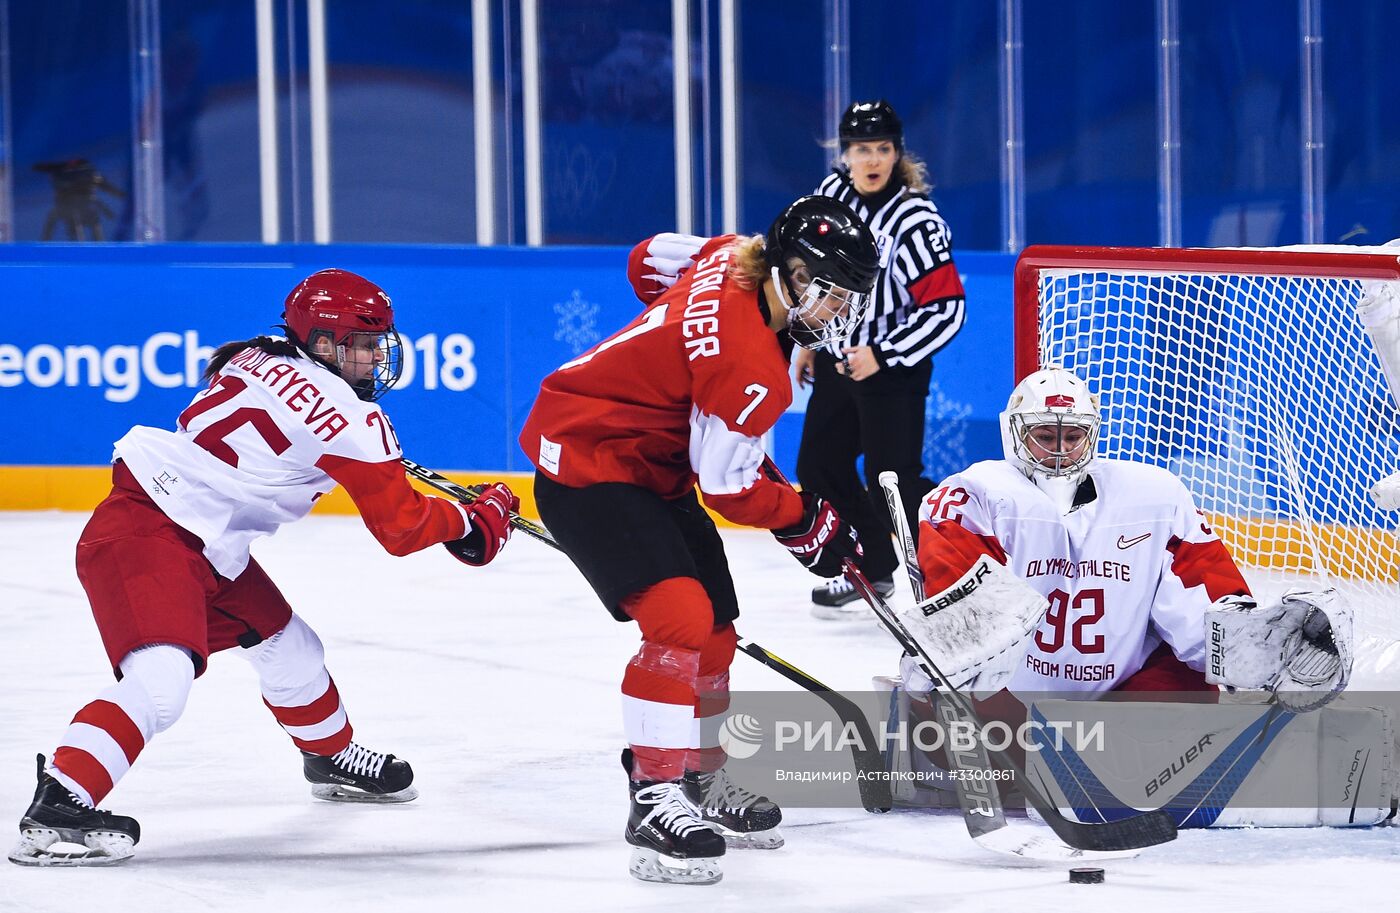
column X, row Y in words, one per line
column 748, row 264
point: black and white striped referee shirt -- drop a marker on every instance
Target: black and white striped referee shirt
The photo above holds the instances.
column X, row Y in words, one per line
column 917, row 305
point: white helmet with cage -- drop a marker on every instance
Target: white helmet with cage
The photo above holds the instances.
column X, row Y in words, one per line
column 1051, row 425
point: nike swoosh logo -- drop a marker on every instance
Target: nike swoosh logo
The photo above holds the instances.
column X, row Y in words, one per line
column 1129, row 543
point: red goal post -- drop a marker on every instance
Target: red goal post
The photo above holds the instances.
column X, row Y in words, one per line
column 1249, row 374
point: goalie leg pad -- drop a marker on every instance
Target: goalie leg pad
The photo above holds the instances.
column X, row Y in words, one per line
column 1218, row 765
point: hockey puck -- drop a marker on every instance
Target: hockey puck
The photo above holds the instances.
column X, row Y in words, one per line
column 1086, row 875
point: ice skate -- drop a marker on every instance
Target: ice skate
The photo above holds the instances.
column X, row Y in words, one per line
column 744, row 820
column 671, row 843
column 59, row 829
column 356, row 774
column 837, row 599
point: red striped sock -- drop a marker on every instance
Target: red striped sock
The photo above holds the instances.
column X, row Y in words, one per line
column 97, row 750
column 320, row 725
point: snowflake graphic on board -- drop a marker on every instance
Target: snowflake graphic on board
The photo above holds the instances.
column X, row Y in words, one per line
column 945, row 434
column 577, row 327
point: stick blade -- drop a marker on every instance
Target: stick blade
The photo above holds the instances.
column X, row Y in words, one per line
column 1133, row 833
column 1025, row 843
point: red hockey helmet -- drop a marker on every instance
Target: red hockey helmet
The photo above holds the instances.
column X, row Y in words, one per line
column 347, row 322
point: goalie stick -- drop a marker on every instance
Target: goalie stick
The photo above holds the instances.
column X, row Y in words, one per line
column 1134, row 832
column 870, row 763
column 979, row 798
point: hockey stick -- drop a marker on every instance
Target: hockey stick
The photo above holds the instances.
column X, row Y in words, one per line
column 982, row 811
column 1130, row 833
column 870, row 764
column 468, row 494
column 979, row 797
column 889, row 481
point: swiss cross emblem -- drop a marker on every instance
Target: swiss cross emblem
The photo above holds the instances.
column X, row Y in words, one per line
column 823, row 228
column 1059, row 401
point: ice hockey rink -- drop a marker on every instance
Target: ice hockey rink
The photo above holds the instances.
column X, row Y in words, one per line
column 500, row 686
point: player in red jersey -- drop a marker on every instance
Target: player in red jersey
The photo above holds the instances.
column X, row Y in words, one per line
column 165, row 561
column 622, row 436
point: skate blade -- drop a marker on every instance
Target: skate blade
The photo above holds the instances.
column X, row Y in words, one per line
column 856, row 611
column 770, row 839
column 335, row 792
column 42, row 848
column 649, row 865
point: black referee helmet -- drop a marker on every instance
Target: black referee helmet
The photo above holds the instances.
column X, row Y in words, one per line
column 865, row 121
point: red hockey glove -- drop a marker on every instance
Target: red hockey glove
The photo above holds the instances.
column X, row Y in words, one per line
column 489, row 527
column 821, row 540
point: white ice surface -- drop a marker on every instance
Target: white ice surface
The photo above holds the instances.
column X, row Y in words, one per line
column 500, row 685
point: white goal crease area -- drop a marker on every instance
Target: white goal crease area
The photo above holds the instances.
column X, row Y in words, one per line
column 1250, row 375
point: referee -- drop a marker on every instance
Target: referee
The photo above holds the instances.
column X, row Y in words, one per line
column 868, row 395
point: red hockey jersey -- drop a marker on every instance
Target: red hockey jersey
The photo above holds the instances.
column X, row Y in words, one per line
column 680, row 396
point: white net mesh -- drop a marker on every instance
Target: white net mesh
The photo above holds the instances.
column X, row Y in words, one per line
column 1265, row 396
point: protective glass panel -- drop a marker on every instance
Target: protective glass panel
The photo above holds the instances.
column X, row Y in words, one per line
column 1362, row 159
column 608, row 140
column 401, row 121
column 1090, row 122
column 781, row 109
column 70, row 120
column 209, row 118
column 937, row 65
column 1240, row 163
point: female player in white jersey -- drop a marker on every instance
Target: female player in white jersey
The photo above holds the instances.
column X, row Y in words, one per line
column 1116, row 550
column 165, row 563
column 1051, row 571
column 1110, row 568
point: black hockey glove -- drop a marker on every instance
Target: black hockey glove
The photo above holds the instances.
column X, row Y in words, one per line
column 821, row 541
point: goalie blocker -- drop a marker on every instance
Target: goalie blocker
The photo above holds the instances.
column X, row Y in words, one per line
column 974, row 628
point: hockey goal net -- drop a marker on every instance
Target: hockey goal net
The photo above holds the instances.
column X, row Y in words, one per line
column 1249, row 375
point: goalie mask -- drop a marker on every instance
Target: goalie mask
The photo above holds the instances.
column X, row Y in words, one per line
column 1051, row 425
column 823, row 260
column 346, row 322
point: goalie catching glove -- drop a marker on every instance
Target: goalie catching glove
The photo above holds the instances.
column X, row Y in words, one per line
column 488, row 526
column 1300, row 649
column 821, row 541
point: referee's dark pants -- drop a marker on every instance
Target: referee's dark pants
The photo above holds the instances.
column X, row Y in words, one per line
column 883, row 418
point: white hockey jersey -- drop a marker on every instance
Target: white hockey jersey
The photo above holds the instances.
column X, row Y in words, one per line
column 269, row 436
column 1131, row 565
